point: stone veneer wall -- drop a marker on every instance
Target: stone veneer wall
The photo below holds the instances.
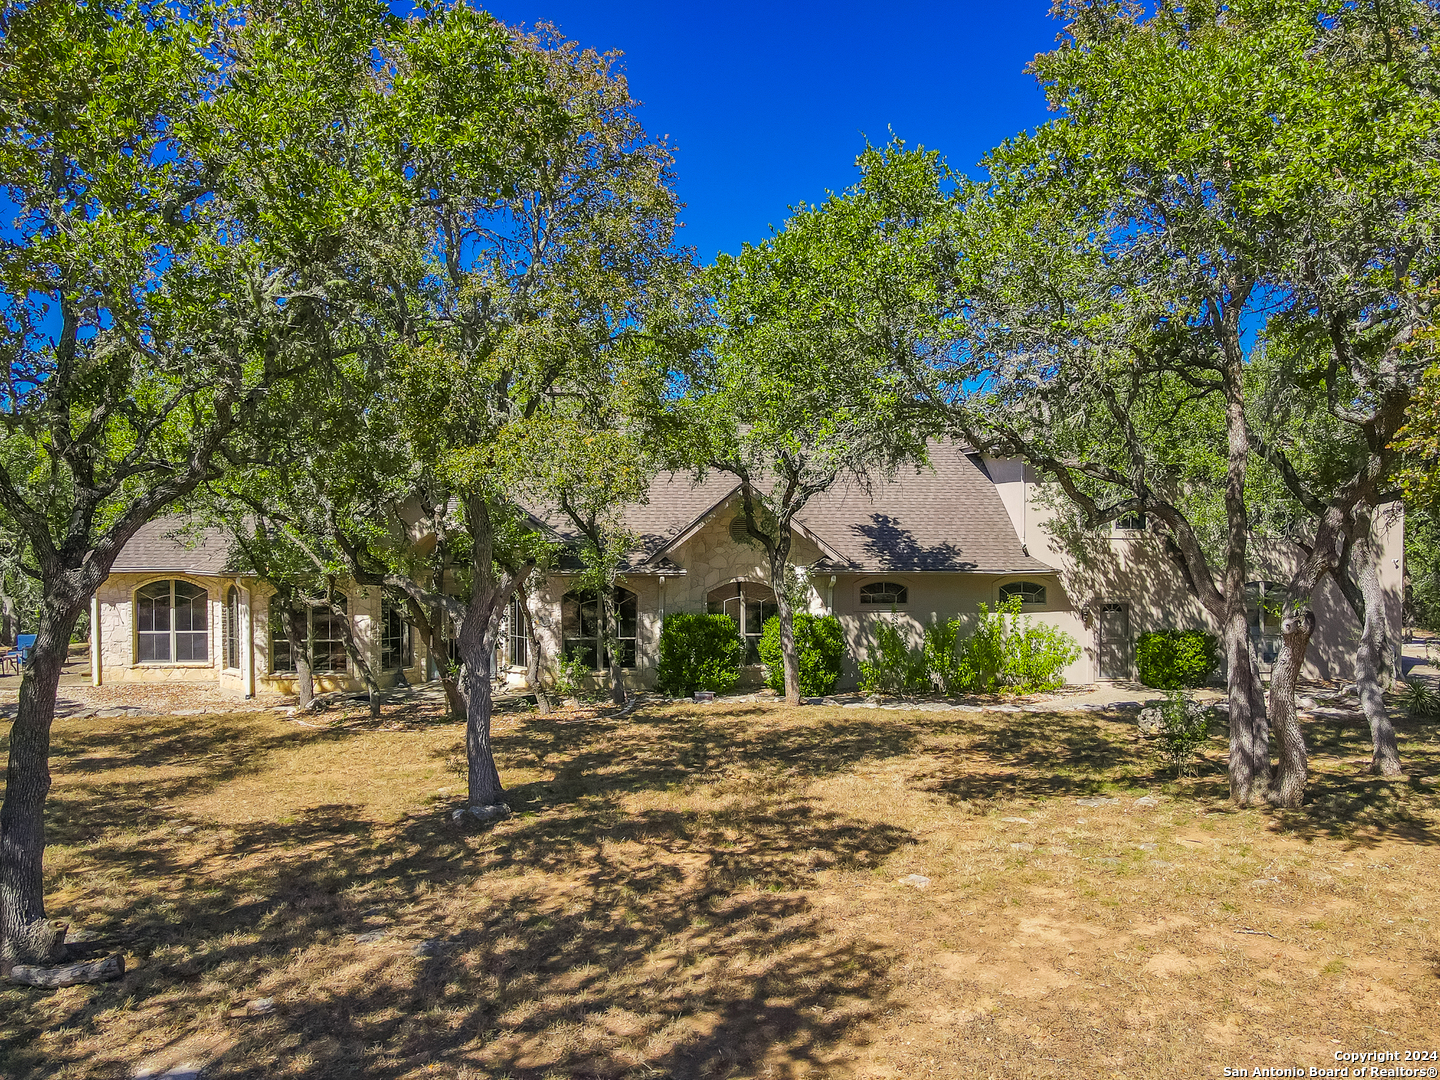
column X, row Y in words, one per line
column 115, row 601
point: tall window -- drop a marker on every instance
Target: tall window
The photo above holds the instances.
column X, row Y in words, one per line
column 395, row 648
column 325, row 640
column 1028, row 591
column 1264, row 601
column 580, row 626
column 750, row 605
column 328, row 638
column 232, row 628
column 519, row 640
column 886, row 593
column 171, row 623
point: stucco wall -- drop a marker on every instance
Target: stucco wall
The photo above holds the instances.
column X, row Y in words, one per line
column 1132, row 568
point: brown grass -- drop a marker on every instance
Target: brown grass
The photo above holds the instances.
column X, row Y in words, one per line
column 713, row 891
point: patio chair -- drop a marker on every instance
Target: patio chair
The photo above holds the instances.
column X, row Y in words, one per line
column 19, row 656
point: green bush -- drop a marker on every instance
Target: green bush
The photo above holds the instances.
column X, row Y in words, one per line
column 819, row 647
column 1184, row 728
column 948, row 670
column 1006, row 651
column 891, row 666
column 699, row 652
column 1171, row 659
column 1009, row 652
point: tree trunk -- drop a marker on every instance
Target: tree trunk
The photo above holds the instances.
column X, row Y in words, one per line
column 358, row 661
column 1369, row 655
column 789, row 657
column 610, row 643
column 1288, row 787
column 26, row 936
column 477, row 647
column 1249, row 745
column 1249, row 739
column 297, row 623
column 534, row 664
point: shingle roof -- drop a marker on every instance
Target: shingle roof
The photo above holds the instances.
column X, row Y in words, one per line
column 945, row 516
column 174, row 544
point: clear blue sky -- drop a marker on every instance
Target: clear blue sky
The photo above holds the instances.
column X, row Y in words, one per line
column 768, row 104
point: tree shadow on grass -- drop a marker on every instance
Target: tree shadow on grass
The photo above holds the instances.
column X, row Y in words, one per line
column 1345, row 801
column 580, row 940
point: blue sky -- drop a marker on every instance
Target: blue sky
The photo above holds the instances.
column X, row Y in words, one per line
column 768, row 104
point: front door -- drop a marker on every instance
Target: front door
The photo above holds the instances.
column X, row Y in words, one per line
column 1117, row 657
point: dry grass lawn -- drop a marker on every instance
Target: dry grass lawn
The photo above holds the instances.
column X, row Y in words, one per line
column 713, row 891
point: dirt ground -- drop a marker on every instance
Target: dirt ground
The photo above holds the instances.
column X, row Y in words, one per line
column 720, row 891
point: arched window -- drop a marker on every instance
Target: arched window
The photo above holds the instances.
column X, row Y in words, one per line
column 171, row 625
column 517, row 654
column 1029, row 592
column 751, row 605
column 885, row 593
column 580, row 627
column 232, row 628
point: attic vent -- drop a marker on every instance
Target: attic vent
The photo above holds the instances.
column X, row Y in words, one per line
column 740, row 533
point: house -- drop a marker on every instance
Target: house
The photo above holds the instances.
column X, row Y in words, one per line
column 928, row 545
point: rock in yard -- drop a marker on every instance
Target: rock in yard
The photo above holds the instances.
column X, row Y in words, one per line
column 1016, row 820
column 812, row 701
column 370, row 937
column 1152, row 719
column 260, row 1006
column 428, row 948
column 915, row 881
column 1146, row 801
column 188, row 1071
column 704, row 695
column 1095, row 802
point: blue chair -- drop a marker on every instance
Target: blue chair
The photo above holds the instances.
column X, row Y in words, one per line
column 20, row 654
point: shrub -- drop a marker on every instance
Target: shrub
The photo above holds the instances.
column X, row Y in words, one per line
column 819, row 648
column 1008, row 651
column 948, row 670
column 1184, row 727
column 699, row 652
column 1171, row 659
column 892, row 667
column 571, row 674
column 1420, row 701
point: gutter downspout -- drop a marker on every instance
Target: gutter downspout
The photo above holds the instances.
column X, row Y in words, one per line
column 95, row 676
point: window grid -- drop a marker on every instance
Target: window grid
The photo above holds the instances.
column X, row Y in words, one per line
column 395, row 647
column 172, row 623
column 580, row 627
column 886, row 593
column 1029, row 592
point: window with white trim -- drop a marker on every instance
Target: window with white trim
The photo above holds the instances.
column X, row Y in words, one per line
column 885, row 593
column 171, row 623
column 1029, row 592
